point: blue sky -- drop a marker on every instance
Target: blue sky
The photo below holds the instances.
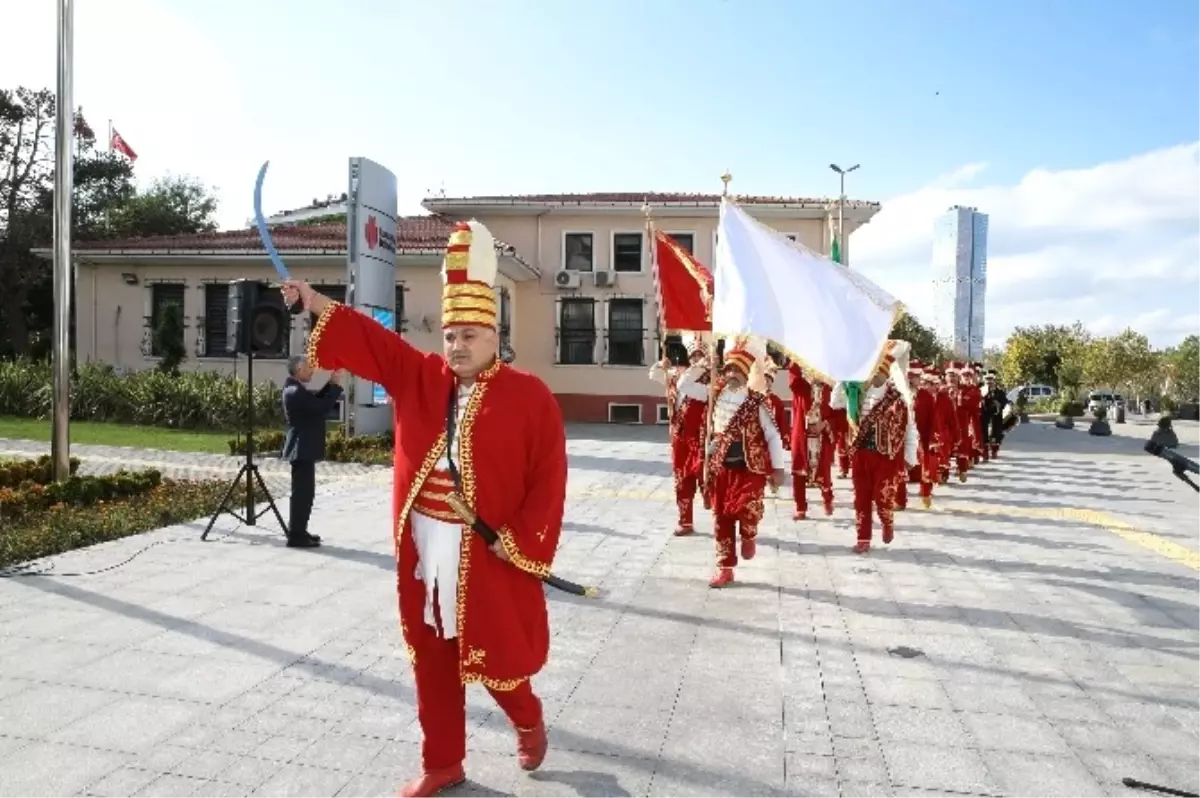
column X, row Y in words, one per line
column 508, row 96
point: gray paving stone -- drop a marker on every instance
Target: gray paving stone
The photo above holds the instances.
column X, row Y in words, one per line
column 1055, row 656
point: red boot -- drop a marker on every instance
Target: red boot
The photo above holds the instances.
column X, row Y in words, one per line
column 723, row 577
column 531, row 746
column 888, row 533
column 749, row 548
column 862, row 547
column 799, row 515
column 683, row 531
column 433, row 782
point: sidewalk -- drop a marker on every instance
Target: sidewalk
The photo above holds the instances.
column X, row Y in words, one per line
column 1008, row 642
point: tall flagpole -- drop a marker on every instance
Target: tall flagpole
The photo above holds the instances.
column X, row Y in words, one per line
column 662, row 346
column 64, row 135
column 712, row 350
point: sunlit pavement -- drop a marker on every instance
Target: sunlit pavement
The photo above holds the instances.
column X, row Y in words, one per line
column 1034, row 634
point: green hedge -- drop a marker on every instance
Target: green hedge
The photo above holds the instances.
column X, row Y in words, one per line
column 39, row 471
column 192, row 400
column 30, row 497
column 367, row 449
column 66, row 527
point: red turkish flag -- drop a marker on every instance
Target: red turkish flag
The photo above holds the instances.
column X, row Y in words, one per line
column 117, row 143
column 685, row 287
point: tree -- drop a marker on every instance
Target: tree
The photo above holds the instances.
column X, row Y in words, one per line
column 168, row 339
column 924, row 341
column 1181, row 370
column 1048, row 355
column 105, row 205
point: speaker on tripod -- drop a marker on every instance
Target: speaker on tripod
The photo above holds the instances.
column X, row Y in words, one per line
column 257, row 324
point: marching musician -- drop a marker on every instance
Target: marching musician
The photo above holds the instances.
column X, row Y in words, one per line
column 465, row 424
column 814, row 426
column 994, row 402
column 686, row 427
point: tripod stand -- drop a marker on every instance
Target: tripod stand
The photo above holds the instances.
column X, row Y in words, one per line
column 249, row 469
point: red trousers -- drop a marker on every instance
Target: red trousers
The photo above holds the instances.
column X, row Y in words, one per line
column 737, row 503
column 685, row 497
column 843, row 453
column 442, row 701
column 875, row 480
column 687, row 465
column 822, row 477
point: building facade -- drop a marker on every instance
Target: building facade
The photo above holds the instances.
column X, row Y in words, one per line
column 576, row 288
column 960, row 280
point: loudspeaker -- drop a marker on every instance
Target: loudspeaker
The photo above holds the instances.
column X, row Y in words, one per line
column 257, row 320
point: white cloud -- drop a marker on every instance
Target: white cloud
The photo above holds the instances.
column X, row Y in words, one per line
column 1112, row 245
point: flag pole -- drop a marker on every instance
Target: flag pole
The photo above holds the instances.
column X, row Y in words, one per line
column 712, row 352
column 662, row 346
column 64, row 143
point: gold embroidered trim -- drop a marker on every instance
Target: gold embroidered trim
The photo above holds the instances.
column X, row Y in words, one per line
column 466, row 457
column 427, row 465
column 314, row 337
column 538, row 569
column 475, row 289
column 470, row 317
column 499, row 685
column 436, row 513
column 482, row 304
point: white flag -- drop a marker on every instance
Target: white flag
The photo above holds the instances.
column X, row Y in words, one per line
column 832, row 320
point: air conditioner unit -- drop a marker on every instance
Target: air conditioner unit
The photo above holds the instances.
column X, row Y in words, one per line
column 604, row 279
column 565, row 278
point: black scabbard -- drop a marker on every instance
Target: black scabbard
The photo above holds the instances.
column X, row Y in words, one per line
column 485, row 531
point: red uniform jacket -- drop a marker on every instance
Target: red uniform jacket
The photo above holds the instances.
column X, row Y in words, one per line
column 973, row 401
column 888, row 418
column 513, row 463
column 965, row 413
column 925, row 417
column 687, row 427
column 946, row 426
column 745, row 426
column 801, row 389
column 779, row 413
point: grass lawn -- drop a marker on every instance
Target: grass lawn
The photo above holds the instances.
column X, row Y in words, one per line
column 104, row 434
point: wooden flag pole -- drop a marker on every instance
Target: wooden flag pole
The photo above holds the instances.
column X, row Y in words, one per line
column 662, row 346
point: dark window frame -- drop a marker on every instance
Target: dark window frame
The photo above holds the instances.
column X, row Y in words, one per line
column 621, row 261
column 576, row 342
column 686, row 239
column 589, row 246
column 158, row 302
column 625, row 344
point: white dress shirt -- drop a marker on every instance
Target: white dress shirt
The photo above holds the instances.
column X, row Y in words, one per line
column 439, row 545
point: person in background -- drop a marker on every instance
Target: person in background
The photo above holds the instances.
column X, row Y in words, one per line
column 304, row 413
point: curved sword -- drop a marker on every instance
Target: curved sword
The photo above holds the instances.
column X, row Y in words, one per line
column 261, row 223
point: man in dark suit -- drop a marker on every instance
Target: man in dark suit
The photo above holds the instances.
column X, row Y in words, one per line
column 305, row 412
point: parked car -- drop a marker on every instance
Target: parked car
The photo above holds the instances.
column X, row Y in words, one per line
column 1105, row 399
column 1033, row 393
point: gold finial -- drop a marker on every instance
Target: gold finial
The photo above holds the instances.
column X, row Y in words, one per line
column 725, row 178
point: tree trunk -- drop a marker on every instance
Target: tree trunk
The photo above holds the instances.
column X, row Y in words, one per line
column 14, row 320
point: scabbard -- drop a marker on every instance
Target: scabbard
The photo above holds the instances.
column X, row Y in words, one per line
column 485, row 531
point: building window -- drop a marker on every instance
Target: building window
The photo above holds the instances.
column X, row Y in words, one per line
column 626, row 332
column 627, row 252
column 505, row 320
column 676, row 352
column 577, row 252
column 401, row 320
column 577, row 331
column 216, row 320
column 622, row 413
column 163, row 295
column 686, row 241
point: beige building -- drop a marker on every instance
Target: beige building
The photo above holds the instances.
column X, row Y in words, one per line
column 576, row 289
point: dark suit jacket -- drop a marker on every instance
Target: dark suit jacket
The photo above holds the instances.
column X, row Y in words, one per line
column 304, row 413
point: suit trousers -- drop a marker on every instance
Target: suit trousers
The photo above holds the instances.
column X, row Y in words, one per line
column 304, row 487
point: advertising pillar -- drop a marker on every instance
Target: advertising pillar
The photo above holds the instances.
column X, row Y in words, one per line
column 371, row 279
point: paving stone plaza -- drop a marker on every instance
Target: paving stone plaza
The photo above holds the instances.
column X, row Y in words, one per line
column 1034, row 634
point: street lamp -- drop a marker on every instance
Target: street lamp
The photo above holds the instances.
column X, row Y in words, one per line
column 841, row 205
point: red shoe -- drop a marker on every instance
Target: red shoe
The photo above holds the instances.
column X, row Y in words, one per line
column 749, row 548
column 531, row 747
column 861, row 547
column 926, row 502
column 799, row 515
column 684, row 530
column 723, row 577
column 829, row 507
column 433, row 782
column 888, row 534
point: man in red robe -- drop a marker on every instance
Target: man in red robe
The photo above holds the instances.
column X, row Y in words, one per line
column 468, row 424
column 813, row 440
column 884, row 439
column 686, row 429
column 963, row 423
column 911, row 473
column 925, row 414
column 973, row 398
column 945, row 426
column 745, row 454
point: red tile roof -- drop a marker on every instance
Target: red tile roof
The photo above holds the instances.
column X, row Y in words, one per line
column 413, row 234
column 637, row 198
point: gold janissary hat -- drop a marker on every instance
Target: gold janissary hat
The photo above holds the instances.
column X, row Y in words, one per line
column 469, row 275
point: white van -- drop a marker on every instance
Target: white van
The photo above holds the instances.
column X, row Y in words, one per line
column 1105, row 399
column 1033, row 393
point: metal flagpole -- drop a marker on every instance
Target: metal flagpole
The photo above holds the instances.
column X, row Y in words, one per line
column 662, row 345
column 712, row 354
column 841, row 233
column 63, row 189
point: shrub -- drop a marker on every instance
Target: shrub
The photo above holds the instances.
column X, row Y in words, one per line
column 32, row 496
column 366, row 449
column 66, row 527
column 1071, row 409
column 39, row 471
column 191, row 400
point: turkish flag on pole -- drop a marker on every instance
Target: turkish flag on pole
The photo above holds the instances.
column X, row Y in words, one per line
column 685, row 287
column 117, row 143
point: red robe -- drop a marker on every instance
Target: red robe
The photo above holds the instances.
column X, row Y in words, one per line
column 687, row 444
column 778, row 413
column 946, row 432
column 972, row 398
column 513, row 463
column 876, row 466
column 802, row 390
column 925, row 417
column 735, row 495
